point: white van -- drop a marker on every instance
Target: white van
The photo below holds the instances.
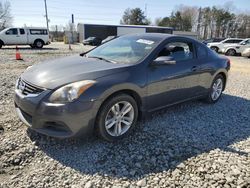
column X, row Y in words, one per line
column 33, row 36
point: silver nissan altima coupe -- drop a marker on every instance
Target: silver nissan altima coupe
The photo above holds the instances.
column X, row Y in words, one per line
column 106, row 89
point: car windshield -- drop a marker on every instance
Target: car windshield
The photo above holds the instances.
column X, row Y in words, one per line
column 127, row 49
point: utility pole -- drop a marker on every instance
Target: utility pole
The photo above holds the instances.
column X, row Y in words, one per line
column 146, row 13
column 56, row 32
column 46, row 15
column 71, row 28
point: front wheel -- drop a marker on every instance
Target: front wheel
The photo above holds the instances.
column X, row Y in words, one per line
column 117, row 117
column 216, row 89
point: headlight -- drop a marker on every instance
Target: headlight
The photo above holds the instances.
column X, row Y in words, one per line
column 70, row 92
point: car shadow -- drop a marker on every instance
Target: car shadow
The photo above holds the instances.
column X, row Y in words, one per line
column 166, row 139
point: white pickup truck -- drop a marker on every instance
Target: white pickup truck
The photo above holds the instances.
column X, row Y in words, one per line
column 33, row 36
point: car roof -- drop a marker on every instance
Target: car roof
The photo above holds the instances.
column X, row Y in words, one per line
column 161, row 36
column 234, row 39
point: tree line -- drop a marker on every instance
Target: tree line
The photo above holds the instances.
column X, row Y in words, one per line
column 207, row 22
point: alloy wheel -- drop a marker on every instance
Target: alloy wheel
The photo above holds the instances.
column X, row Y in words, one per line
column 231, row 52
column 119, row 118
column 217, row 89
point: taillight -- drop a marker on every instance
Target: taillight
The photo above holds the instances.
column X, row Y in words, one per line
column 228, row 63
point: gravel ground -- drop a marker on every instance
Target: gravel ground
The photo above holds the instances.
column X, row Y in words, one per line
column 189, row 145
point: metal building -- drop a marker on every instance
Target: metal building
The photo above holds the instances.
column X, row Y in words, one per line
column 102, row 31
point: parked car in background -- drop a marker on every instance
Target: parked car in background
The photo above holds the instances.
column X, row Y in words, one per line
column 108, row 39
column 106, row 89
column 246, row 52
column 213, row 40
column 217, row 46
column 235, row 49
column 36, row 37
column 94, row 41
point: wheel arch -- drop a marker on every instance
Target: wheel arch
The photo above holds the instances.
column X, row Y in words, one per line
column 131, row 92
column 40, row 40
column 214, row 47
column 231, row 48
column 224, row 75
column 1, row 42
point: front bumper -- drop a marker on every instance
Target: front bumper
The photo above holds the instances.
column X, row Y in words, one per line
column 56, row 120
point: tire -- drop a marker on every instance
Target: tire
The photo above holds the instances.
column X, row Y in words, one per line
column 38, row 43
column 1, row 45
column 107, row 122
column 231, row 52
column 210, row 98
column 214, row 48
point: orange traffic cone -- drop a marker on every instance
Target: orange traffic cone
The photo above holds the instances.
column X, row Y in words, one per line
column 18, row 55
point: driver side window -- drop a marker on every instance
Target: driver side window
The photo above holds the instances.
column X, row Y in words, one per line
column 11, row 32
column 179, row 51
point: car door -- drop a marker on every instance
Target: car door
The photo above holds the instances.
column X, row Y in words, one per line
column 22, row 39
column 11, row 36
column 169, row 84
column 245, row 45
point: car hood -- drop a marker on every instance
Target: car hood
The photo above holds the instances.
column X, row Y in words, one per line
column 54, row 73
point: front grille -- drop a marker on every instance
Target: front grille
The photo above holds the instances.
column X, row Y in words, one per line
column 27, row 88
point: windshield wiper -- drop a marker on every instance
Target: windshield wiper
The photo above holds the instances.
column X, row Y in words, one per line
column 101, row 58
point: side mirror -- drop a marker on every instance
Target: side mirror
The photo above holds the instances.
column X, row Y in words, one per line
column 164, row 60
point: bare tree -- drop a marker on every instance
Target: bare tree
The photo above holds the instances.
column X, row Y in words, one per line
column 189, row 15
column 5, row 15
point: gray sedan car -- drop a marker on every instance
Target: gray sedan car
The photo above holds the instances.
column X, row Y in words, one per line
column 106, row 89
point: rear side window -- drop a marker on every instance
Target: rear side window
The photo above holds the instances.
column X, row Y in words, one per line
column 233, row 41
column 22, row 32
column 229, row 41
column 12, row 31
column 38, row 32
column 180, row 51
column 201, row 51
column 236, row 41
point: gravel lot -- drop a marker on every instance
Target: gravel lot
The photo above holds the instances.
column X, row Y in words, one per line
column 189, row 145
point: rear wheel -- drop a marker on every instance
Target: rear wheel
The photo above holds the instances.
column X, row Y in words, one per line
column 1, row 45
column 117, row 117
column 231, row 52
column 216, row 89
column 38, row 43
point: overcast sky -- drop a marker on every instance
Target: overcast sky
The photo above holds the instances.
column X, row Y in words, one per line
column 31, row 12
